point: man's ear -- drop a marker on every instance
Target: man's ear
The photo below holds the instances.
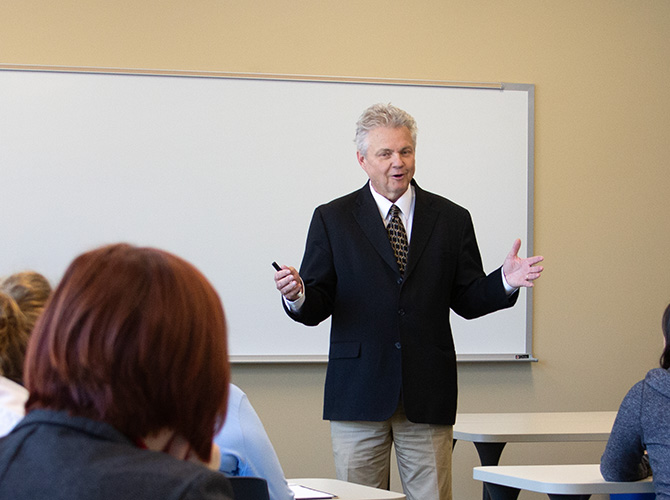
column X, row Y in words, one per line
column 361, row 159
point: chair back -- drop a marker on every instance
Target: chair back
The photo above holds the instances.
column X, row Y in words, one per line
column 249, row 488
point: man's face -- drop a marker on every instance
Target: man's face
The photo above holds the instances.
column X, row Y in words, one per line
column 389, row 161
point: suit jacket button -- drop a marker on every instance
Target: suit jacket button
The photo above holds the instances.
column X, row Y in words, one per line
column 399, row 281
column 401, row 312
column 397, row 345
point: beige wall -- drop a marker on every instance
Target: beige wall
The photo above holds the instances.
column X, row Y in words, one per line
column 601, row 166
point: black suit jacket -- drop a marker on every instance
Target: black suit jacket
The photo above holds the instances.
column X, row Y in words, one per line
column 390, row 335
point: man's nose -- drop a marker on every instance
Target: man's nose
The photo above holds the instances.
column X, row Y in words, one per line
column 396, row 160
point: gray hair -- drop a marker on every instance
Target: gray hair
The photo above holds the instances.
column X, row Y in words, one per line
column 382, row 115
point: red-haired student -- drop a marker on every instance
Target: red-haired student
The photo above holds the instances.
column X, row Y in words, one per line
column 128, row 375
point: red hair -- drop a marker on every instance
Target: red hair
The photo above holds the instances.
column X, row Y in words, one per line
column 134, row 337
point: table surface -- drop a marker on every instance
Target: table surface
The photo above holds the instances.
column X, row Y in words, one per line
column 559, row 479
column 347, row 491
column 534, row 427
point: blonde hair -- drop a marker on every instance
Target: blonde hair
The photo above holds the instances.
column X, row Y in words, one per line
column 24, row 296
column 30, row 290
column 13, row 338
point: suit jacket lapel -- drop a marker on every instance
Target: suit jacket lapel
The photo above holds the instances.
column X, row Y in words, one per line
column 423, row 225
column 367, row 215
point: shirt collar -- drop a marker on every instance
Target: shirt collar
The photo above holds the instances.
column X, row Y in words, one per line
column 404, row 203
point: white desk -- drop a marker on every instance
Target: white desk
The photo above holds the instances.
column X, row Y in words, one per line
column 490, row 432
column 565, row 482
column 348, row 491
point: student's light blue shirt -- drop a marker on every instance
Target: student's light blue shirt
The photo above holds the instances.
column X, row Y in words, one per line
column 246, row 449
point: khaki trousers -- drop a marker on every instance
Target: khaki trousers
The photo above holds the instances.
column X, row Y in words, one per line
column 362, row 452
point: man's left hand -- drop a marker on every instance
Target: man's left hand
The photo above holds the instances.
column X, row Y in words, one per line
column 521, row 272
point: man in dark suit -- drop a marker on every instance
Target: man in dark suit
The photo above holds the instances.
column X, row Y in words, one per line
column 391, row 373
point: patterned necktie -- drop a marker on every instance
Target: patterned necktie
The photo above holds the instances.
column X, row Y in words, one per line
column 398, row 238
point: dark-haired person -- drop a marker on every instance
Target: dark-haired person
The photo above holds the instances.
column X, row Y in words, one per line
column 640, row 438
column 128, row 375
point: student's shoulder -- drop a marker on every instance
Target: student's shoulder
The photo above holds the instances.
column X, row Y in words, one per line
column 167, row 477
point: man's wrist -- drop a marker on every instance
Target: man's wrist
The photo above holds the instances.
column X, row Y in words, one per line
column 509, row 289
column 295, row 304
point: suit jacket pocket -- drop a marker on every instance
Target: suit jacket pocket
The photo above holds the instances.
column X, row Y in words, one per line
column 343, row 350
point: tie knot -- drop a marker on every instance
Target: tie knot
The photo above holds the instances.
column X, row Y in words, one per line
column 395, row 211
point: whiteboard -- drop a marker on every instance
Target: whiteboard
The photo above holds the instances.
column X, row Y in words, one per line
column 226, row 172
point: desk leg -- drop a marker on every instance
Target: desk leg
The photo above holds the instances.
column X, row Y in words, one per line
column 489, row 454
column 500, row 492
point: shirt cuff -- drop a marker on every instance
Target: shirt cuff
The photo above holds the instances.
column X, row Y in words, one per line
column 295, row 305
column 509, row 290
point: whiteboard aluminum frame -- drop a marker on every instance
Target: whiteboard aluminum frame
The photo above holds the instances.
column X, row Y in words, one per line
column 529, row 241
